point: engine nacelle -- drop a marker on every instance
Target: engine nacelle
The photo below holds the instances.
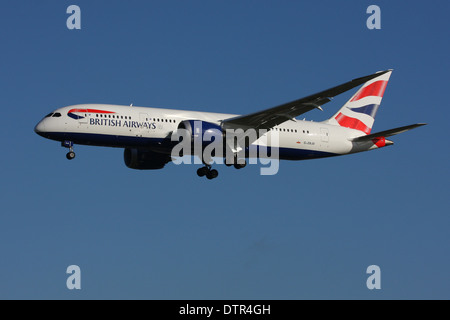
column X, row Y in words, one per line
column 201, row 129
column 202, row 132
column 144, row 159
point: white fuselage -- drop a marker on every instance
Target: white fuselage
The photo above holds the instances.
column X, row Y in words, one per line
column 142, row 127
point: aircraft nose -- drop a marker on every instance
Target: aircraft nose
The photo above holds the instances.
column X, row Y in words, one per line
column 40, row 128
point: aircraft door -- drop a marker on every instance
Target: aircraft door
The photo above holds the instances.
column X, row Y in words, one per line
column 324, row 138
column 83, row 117
column 324, row 134
column 144, row 124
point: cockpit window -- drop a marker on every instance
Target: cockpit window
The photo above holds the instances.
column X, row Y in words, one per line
column 56, row 115
column 49, row 115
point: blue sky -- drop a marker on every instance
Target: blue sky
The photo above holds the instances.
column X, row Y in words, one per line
column 308, row 232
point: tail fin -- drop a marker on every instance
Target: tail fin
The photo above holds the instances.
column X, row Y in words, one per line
column 359, row 112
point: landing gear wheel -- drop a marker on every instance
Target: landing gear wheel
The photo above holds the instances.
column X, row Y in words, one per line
column 202, row 171
column 228, row 164
column 68, row 144
column 239, row 165
column 212, row 174
column 70, row 155
column 208, row 172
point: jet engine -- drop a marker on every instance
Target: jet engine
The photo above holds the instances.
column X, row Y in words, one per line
column 143, row 159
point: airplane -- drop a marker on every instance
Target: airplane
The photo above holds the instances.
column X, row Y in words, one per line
column 146, row 133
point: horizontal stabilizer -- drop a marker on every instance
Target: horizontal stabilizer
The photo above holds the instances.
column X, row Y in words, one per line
column 387, row 133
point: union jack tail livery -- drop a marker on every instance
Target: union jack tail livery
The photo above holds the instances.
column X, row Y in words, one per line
column 359, row 112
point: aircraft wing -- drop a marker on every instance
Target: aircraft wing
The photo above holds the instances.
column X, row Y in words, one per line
column 387, row 133
column 271, row 117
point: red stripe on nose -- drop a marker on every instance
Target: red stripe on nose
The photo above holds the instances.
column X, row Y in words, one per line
column 89, row 111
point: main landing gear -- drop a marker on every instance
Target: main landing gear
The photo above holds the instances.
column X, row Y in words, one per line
column 69, row 144
column 213, row 173
column 208, row 172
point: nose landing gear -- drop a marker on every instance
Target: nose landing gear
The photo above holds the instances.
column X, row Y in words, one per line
column 69, row 144
column 70, row 155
